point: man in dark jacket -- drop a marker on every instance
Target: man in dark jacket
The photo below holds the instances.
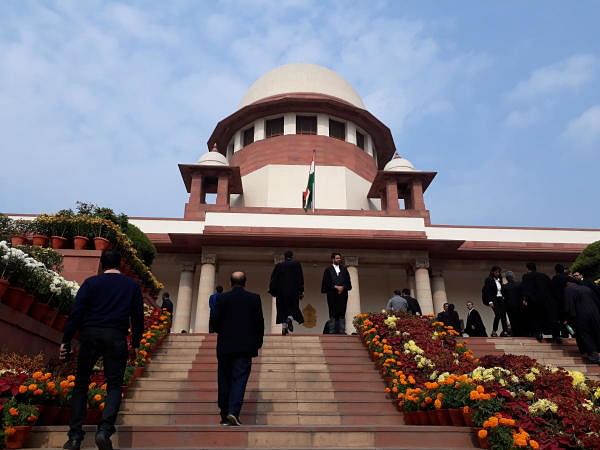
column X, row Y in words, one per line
column 474, row 326
column 240, row 326
column 491, row 295
column 167, row 303
column 336, row 284
column 106, row 306
column 541, row 304
column 516, row 310
column 413, row 303
column 287, row 286
column 582, row 311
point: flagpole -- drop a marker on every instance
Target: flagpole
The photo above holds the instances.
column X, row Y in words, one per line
column 314, row 180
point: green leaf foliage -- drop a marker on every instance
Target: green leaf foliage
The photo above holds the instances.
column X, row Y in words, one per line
column 588, row 262
column 145, row 249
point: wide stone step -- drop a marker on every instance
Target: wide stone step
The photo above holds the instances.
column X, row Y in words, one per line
column 372, row 385
column 267, row 366
column 336, row 360
column 258, row 406
column 283, row 375
column 272, row 418
column 262, row 437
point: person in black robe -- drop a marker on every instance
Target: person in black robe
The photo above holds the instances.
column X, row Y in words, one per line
column 516, row 310
column 474, row 326
column 336, row 284
column 287, row 286
column 491, row 295
column 582, row 311
column 559, row 282
column 542, row 306
column 413, row 303
column 593, row 286
column 449, row 317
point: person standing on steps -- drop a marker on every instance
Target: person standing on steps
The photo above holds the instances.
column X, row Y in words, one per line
column 491, row 295
column 413, row 303
column 541, row 304
column 167, row 303
column 106, row 306
column 336, row 284
column 474, row 326
column 287, row 286
column 212, row 301
column 240, row 328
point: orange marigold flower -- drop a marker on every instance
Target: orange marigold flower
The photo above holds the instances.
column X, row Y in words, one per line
column 101, row 406
column 9, row 431
column 92, row 385
column 437, row 404
column 493, row 422
column 22, row 389
column 387, row 390
column 474, row 395
column 533, row 444
column 51, row 385
column 72, row 384
column 466, row 409
column 97, row 397
column 31, row 419
column 47, row 375
column 64, row 384
column 32, row 387
column 482, row 434
column 411, row 379
column 506, row 421
column 38, row 392
column 480, row 389
column 13, row 412
column 37, row 375
column 71, row 378
column 103, row 387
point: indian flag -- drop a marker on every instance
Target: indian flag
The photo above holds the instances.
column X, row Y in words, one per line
column 308, row 196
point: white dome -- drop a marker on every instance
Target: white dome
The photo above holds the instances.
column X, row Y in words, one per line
column 399, row 164
column 293, row 78
column 213, row 159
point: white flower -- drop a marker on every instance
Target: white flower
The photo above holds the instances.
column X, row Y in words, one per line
column 542, row 406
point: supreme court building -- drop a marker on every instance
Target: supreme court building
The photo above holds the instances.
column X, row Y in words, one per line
column 370, row 206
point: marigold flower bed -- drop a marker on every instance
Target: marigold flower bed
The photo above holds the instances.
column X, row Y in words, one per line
column 513, row 401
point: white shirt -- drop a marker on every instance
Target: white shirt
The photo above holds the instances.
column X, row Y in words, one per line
column 499, row 287
column 337, row 269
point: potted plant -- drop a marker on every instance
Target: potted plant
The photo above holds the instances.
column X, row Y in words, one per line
column 18, row 420
column 62, row 223
column 18, row 230
column 98, row 229
column 81, row 230
column 40, row 231
column 96, row 399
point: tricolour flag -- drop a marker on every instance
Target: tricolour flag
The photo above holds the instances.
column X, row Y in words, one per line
column 308, row 196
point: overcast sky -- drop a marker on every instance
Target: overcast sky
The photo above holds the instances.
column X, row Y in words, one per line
column 100, row 100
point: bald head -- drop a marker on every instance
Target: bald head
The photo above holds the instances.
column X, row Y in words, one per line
column 238, row 279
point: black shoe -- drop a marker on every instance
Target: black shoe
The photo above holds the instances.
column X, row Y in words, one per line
column 558, row 340
column 284, row 331
column 103, row 441
column 224, row 423
column 494, row 334
column 233, row 420
column 290, row 324
column 539, row 337
column 504, row 334
column 73, row 444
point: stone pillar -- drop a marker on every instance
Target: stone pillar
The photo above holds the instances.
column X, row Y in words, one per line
column 183, row 306
column 422, row 286
column 353, row 307
column 438, row 288
column 391, row 195
column 418, row 202
column 223, row 190
column 410, row 276
column 275, row 327
column 205, row 288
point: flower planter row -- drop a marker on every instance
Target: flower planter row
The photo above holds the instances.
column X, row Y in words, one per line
column 19, row 300
column 439, row 417
column 59, row 242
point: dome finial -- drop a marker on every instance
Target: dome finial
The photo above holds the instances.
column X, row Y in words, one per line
column 215, row 148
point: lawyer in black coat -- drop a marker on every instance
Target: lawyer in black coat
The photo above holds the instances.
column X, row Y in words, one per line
column 287, row 286
column 240, row 325
column 542, row 306
column 474, row 326
column 336, row 286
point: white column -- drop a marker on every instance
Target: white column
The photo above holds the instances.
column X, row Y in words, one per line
column 438, row 290
column 205, row 288
column 237, row 141
column 289, row 123
column 322, row 125
column 369, row 144
column 259, row 130
column 422, row 286
column 183, row 305
column 353, row 307
column 350, row 133
column 410, row 276
column 275, row 327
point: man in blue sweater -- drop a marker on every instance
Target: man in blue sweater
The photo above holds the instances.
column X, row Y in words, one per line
column 106, row 306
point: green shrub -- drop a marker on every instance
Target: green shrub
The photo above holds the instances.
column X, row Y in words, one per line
column 588, row 262
column 145, row 249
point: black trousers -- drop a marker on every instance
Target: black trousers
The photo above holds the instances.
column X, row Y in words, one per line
column 233, row 372
column 111, row 345
column 500, row 314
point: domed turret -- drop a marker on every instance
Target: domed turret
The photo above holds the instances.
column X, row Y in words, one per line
column 399, row 164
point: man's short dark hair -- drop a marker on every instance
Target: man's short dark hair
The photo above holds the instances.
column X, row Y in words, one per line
column 110, row 259
column 494, row 268
column 165, row 295
column 405, row 291
column 559, row 268
column 288, row 254
column 238, row 279
column 334, row 254
column 219, row 288
column 397, row 292
column 531, row 266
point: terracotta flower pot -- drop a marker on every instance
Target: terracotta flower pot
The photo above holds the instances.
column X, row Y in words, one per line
column 93, row 416
column 64, row 416
column 58, row 242
column 410, row 418
column 18, row 240
column 4, row 284
column 43, row 313
column 456, row 417
column 101, row 243
column 468, row 418
column 138, row 372
column 483, row 442
column 443, row 417
column 60, row 321
column 80, row 242
column 433, row 417
column 423, row 418
column 17, row 439
column 49, row 416
column 39, row 240
column 14, row 296
column 26, row 303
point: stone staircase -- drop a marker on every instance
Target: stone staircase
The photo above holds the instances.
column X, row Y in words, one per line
column 564, row 355
column 304, row 392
